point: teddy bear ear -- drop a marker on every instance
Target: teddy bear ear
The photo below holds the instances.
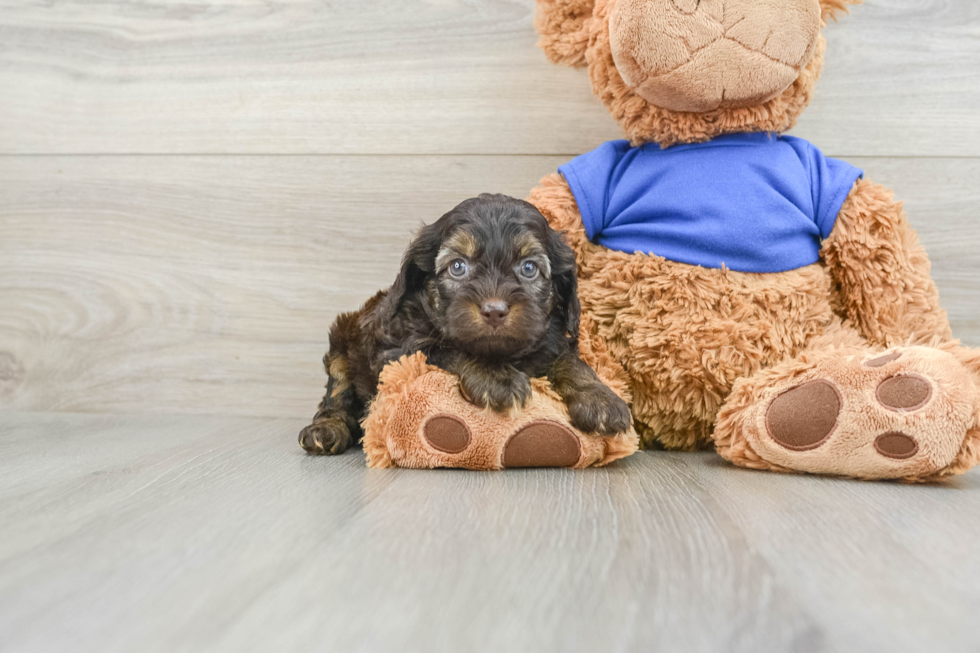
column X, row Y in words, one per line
column 830, row 8
column 563, row 26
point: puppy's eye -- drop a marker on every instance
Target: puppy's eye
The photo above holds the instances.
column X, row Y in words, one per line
column 529, row 269
column 458, row 268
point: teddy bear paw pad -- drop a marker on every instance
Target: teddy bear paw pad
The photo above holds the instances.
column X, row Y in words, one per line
column 803, row 418
column 542, row 444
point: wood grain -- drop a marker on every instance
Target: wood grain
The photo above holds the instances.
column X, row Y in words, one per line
column 199, row 533
column 194, row 270
column 199, row 285
column 439, row 77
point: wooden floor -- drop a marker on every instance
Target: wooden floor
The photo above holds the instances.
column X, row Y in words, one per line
column 190, row 533
column 192, row 190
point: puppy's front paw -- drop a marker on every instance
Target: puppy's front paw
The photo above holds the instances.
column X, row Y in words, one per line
column 501, row 390
column 597, row 409
column 328, row 436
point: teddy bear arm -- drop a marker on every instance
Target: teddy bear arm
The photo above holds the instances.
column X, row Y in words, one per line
column 881, row 271
column 557, row 204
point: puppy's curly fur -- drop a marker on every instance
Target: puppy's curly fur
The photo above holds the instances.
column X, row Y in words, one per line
column 487, row 292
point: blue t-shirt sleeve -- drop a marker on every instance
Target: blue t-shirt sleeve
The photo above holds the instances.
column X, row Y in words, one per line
column 831, row 181
column 589, row 176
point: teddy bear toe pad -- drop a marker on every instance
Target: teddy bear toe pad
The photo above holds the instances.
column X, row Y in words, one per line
column 881, row 361
column 447, row 433
column 896, row 445
column 901, row 414
column 904, row 393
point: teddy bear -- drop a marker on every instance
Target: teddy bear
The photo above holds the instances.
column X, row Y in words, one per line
column 763, row 299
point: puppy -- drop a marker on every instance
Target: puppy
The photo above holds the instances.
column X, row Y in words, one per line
column 487, row 292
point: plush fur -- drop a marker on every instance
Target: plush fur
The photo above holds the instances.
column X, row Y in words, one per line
column 708, row 351
column 563, row 26
column 881, row 272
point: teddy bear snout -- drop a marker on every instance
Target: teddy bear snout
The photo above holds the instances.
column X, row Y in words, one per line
column 687, row 6
column 701, row 55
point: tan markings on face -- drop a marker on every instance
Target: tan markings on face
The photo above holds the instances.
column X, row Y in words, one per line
column 529, row 247
column 338, row 372
column 461, row 243
column 433, row 294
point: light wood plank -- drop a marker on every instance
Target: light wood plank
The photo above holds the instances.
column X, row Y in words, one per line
column 858, row 549
column 440, row 77
column 185, row 533
column 207, row 284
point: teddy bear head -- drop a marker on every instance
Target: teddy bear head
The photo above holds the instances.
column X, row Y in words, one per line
column 682, row 71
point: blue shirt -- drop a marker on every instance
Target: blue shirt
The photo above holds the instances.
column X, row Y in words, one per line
column 749, row 202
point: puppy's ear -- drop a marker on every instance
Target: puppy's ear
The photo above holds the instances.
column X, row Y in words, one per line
column 565, row 284
column 418, row 265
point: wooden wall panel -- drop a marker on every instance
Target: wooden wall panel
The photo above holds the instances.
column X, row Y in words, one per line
column 439, row 77
column 206, row 284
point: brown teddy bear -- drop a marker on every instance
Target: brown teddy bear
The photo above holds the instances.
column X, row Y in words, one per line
column 761, row 297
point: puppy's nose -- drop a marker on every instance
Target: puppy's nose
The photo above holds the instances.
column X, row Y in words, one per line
column 494, row 312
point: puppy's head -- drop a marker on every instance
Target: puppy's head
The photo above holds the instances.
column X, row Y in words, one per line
column 493, row 277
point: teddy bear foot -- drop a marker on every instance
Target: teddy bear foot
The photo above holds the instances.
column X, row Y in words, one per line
column 902, row 414
column 421, row 420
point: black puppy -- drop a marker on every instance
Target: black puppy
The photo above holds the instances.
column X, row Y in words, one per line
column 488, row 293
